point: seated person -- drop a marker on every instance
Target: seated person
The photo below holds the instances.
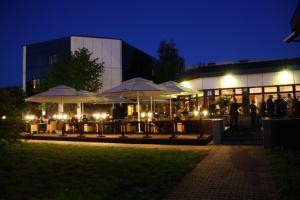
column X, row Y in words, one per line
column 84, row 119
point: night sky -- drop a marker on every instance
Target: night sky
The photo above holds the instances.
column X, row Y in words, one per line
column 204, row 31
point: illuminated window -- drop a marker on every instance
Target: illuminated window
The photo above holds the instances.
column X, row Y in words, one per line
column 255, row 90
column 227, row 92
column 209, row 93
column 130, row 109
column 217, row 92
column 270, row 89
column 297, row 87
column 200, row 94
column 34, row 84
column 286, row 88
column 238, row 91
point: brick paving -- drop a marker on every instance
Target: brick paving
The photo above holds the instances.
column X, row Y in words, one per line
column 228, row 172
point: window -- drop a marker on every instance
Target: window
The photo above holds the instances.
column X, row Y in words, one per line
column 238, row 91
column 255, row 90
column 200, row 94
column 270, row 89
column 297, row 87
column 52, row 59
column 227, row 92
column 209, row 93
column 286, row 88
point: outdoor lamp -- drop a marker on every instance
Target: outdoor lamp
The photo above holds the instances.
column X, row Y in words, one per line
column 78, row 116
column 103, row 115
column 28, row 117
column 149, row 114
column 143, row 114
column 205, row 113
column 55, row 116
column 196, row 112
column 3, row 117
column 97, row 116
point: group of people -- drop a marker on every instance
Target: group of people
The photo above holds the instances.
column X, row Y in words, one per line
column 277, row 108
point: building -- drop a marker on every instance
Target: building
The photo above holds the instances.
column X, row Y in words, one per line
column 121, row 60
column 295, row 26
column 244, row 80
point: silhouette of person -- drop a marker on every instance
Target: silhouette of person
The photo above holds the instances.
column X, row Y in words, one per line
column 234, row 114
column 270, row 106
column 253, row 114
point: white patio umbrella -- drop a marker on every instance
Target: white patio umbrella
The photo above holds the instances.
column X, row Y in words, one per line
column 139, row 88
column 180, row 90
column 62, row 94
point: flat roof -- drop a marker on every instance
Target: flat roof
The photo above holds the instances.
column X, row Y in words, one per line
column 241, row 67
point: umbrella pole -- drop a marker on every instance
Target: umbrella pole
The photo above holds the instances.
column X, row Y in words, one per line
column 151, row 104
column 171, row 108
column 138, row 110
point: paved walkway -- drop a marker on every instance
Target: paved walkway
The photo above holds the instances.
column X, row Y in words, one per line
column 228, row 172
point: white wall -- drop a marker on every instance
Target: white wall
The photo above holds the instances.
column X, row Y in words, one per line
column 108, row 51
column 249, row 80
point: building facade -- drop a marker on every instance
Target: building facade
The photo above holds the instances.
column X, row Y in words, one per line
column 120, row 59
column 246, row 81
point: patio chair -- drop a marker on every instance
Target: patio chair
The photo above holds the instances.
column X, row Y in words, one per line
column 51, row 128
column 34, row 128
column 90, row 128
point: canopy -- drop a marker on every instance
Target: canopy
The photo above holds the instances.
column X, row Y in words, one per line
column 62, row 94
column 138, row 87
column 181, row 90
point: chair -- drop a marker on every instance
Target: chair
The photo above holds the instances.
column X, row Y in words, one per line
column 51, row 128
column 34, row 128
column 89, row 128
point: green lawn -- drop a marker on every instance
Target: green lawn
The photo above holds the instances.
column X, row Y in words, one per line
column 48, row 171
column 285, row 166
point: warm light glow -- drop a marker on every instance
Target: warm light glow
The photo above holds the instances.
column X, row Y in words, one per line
column 104, row 115
column 205, row 113
column 228, row 81
column 60, row 116
column 78, row 116
column 29, row 117
column 143, row 114
column 43, row 113
column 186, row 84
column 285, row 77
column 149, row 114
column 196, row 112
column 97, row 116
column 3, row 117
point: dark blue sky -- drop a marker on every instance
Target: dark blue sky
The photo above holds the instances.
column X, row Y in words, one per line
column 204, row 31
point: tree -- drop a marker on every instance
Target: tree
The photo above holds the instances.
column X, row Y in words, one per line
column 12, row 107
column 170, row 62
column 77, row 70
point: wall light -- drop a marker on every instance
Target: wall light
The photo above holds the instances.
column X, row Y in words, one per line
column 285, row 77
column 196, row 112
column 3, row 117
column 228, row 81
column 186, row 84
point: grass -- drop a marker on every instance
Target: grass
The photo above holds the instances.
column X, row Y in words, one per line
column 285, row 165
column 48, row 171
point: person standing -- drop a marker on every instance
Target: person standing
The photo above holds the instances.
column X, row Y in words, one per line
column 253, row 115
column 290, row 105
column 263, row 108
column 280, row 106
column 234, row 114
column 270, row 106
